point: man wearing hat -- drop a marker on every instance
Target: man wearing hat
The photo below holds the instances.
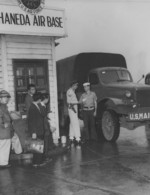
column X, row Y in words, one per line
column 88, row 101
column 74, row 128
column 6, row 130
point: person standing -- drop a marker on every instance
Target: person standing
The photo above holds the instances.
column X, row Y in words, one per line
column 74, row 128
column 48, row 140
column 88, row 101
column 6, row 130
column 36, row 126
column 29, row 96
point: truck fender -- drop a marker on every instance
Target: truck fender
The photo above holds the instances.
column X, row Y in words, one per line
column 110, row 103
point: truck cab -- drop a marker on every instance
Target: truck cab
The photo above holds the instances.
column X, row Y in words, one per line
column 106, row 81
column 121, row 102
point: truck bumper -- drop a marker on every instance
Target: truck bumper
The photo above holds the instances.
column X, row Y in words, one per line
column 139, row 114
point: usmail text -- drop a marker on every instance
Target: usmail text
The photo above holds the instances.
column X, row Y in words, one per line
column 139, row 116
column 25, row 20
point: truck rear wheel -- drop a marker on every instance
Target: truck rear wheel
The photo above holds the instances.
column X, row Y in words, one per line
column 109, row 126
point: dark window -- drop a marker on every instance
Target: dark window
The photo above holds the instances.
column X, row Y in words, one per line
column 110, row 76
column 93, row 79
column 29, row 72
column 147, row 79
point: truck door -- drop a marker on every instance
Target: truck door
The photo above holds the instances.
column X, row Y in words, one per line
column 95, row 84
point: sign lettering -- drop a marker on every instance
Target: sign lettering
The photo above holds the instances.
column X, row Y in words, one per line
column 48, row 22
column 139, row 116
column 20, row 19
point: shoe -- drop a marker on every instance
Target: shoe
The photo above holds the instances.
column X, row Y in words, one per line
column 78, row 143
column 5, row 166
column 82, row 141
column 39, row 165
column 42, row 164
column 35, row 165
column 47, row 160
column 71, row 141
column 63, row 145
column 87, row 140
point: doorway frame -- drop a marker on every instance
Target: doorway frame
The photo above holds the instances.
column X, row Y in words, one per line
column 16, row 62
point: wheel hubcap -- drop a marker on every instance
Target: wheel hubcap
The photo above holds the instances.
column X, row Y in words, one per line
column 107, row 126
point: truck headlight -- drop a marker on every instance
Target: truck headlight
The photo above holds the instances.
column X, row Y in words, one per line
column 134, row 106
column 128, row 94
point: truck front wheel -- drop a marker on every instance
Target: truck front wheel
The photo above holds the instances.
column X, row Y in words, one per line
column 110, row 127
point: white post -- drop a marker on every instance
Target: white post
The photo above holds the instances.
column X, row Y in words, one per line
column 4, row 62
column 56, row 133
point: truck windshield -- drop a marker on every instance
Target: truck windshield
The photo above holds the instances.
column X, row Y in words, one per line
column 109, row 76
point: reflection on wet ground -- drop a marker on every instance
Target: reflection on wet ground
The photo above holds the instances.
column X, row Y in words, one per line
column 95, row 168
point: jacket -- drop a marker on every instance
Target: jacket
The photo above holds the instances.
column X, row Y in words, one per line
column 44, row 113
column 28, row 101
column 35, row 121
column 5, row 120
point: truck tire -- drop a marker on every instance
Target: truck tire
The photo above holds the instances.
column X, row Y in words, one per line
column 109, row 126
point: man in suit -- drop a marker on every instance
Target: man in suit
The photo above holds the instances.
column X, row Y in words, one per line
column 48, row 140
column 35, row 119
column 36, row 126
column 29, row 96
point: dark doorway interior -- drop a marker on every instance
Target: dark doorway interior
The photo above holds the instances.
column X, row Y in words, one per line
column 29, row 72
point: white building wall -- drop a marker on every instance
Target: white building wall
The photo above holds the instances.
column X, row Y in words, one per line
column 1, row 72
column 28, row 47
column 8, row 1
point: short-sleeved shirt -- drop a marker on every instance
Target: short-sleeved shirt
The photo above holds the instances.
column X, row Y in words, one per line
column 71, row 97
column 88, row 100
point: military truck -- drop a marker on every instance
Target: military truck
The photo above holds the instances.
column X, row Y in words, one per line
column 121, row 102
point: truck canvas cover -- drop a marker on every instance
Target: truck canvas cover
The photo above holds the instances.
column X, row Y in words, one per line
column 78, row 66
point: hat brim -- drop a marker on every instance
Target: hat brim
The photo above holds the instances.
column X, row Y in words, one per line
column 8, row 96
column 74, row 84
column 86, row 85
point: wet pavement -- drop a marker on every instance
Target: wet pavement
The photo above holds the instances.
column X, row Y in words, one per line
column 92, row 169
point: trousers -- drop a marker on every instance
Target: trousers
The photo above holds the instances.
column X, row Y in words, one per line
column 38, row 158
column 74, row 128
column 4, row 151
column 89, row 124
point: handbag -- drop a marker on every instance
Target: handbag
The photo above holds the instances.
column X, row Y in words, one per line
column 34, row 145
column 16, row 145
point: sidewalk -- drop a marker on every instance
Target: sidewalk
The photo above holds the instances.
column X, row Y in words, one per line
column 27, row 157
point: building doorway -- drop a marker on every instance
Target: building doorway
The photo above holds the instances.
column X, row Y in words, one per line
column 29, row 72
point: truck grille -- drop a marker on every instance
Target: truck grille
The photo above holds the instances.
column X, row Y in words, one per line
column 143, row 98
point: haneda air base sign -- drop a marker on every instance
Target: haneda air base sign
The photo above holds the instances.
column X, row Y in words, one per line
column 31, row 17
